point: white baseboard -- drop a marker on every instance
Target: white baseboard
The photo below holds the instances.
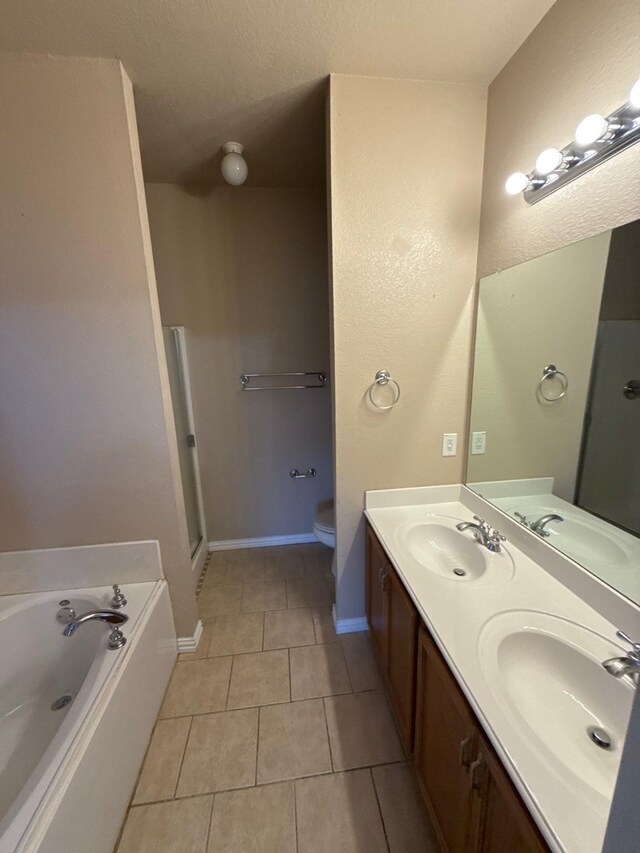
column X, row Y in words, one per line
column 190, row 644
column 197, row 561
column 349, row 626
column 262, row 542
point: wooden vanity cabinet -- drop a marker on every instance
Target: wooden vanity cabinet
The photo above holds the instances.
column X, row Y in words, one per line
column 393, row 621
column 471, row 800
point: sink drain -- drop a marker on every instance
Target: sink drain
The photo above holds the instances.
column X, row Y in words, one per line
column 459, row 572
column 599, row 737
column 62, row 702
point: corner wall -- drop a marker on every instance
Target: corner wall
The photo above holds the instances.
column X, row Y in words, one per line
column 88, row 451
column 405, row 201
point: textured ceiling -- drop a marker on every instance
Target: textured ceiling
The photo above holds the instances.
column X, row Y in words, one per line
column 209, row 71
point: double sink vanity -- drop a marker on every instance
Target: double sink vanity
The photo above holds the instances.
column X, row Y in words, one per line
column 493, row 651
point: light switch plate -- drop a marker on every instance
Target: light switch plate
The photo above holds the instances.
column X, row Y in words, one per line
column 449, row 443
column 478, row 443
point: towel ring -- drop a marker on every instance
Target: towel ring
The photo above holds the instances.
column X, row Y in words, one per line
column 552, row 372
column 383, row 377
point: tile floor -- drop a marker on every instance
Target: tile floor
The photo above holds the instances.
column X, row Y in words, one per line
column 275, row 736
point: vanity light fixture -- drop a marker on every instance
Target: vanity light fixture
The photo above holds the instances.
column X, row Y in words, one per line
column 597, row 138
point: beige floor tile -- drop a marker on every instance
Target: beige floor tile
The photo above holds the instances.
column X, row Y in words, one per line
column 197, row 687
column 286, row 628
column 259, row 679
column 308, row 592
column 339, row 814
column 318, row 671
column 285, row 562
column 180, row 826
column 266, row 595
column 214, row 577
column 293, row 741
column 162, row 764
column 361, row 730
column 324, row 626
column 235, row 634
column 256, row 820
column 405, row 819
column 220, row 600
column 221, row 753
column 361, row 662
column 318, row 558
column 245, row 571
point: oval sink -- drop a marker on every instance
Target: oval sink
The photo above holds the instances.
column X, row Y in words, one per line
column 584, row 540
column 547, row 675
column 452, row 554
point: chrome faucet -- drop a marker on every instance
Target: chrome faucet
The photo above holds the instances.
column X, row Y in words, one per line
column 539, row 525
column 626, row 665
column 111, row 617
column 486, row 535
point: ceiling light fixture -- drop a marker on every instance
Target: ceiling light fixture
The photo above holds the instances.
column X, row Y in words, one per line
column 597, row 138
column 234, row 167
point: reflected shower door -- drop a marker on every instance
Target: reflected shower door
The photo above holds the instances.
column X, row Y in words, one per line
column 609, row 479
column 174, row 345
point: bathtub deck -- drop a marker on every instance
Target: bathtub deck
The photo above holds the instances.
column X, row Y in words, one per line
column 276, row 734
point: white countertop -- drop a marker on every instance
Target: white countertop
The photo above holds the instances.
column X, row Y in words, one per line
column 570, row 813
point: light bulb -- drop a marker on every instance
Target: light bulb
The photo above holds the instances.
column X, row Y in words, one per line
column 548, row 161
column 634, row 97
column 591, row 129
column 234, row 167
column 516, row 183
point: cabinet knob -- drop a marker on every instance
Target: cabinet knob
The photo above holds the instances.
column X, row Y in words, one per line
column 477, row 772
column 465, row 757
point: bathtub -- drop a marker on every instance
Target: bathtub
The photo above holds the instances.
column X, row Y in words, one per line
column 75, row 717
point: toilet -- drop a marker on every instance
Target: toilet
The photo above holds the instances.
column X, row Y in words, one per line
column 324, row 526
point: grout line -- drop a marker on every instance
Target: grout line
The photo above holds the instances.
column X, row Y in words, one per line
column 326, row 726
column 263, row 621
column 210, row 827
column 255, row 775
column 184, row 752
column 226, row 700
column 295, row 814
column 375, row 794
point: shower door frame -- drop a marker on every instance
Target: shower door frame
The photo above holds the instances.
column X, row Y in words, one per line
column 178, row 334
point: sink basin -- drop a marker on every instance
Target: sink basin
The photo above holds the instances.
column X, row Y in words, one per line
column 584, row 539
column 547, row 675
column 452, row 554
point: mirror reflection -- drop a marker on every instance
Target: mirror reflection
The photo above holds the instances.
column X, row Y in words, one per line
column 555, row 415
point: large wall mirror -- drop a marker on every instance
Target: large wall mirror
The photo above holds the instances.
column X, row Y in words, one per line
column 555, row 414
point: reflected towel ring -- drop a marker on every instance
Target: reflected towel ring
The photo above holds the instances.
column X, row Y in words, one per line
column 383, row 377
column 552, row 372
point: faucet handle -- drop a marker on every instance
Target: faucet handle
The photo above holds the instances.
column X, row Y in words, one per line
column 521, row 518
column 627, row 639
column 118, row 599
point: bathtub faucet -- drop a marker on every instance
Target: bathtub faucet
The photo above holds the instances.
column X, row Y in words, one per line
column 111, row 617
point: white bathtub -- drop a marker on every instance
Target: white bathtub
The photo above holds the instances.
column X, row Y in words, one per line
column 66, row 775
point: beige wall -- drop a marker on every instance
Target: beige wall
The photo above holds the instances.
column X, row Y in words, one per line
column 245, row 271
column 544, row 311
column 582, row 58
column 405, row 196
column 88, row 451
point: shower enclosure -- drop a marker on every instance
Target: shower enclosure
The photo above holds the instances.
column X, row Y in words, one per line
column 176, row 352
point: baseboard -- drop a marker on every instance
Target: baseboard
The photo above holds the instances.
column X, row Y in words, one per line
column 349, row 626
column 197, row 561
column 262, row 542
column 190, row 644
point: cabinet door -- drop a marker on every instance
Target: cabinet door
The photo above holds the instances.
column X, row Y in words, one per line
column 446, row 745
column 503, row 820
column 376, row 591
column 402, row 650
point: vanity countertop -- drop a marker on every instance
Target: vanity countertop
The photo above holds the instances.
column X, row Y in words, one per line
column 524, row 632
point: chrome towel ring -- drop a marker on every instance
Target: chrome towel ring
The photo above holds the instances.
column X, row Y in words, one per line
column 551, row 372
column 383, row 377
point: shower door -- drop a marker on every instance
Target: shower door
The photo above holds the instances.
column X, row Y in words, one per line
column 609, row 477
column 176, row 352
